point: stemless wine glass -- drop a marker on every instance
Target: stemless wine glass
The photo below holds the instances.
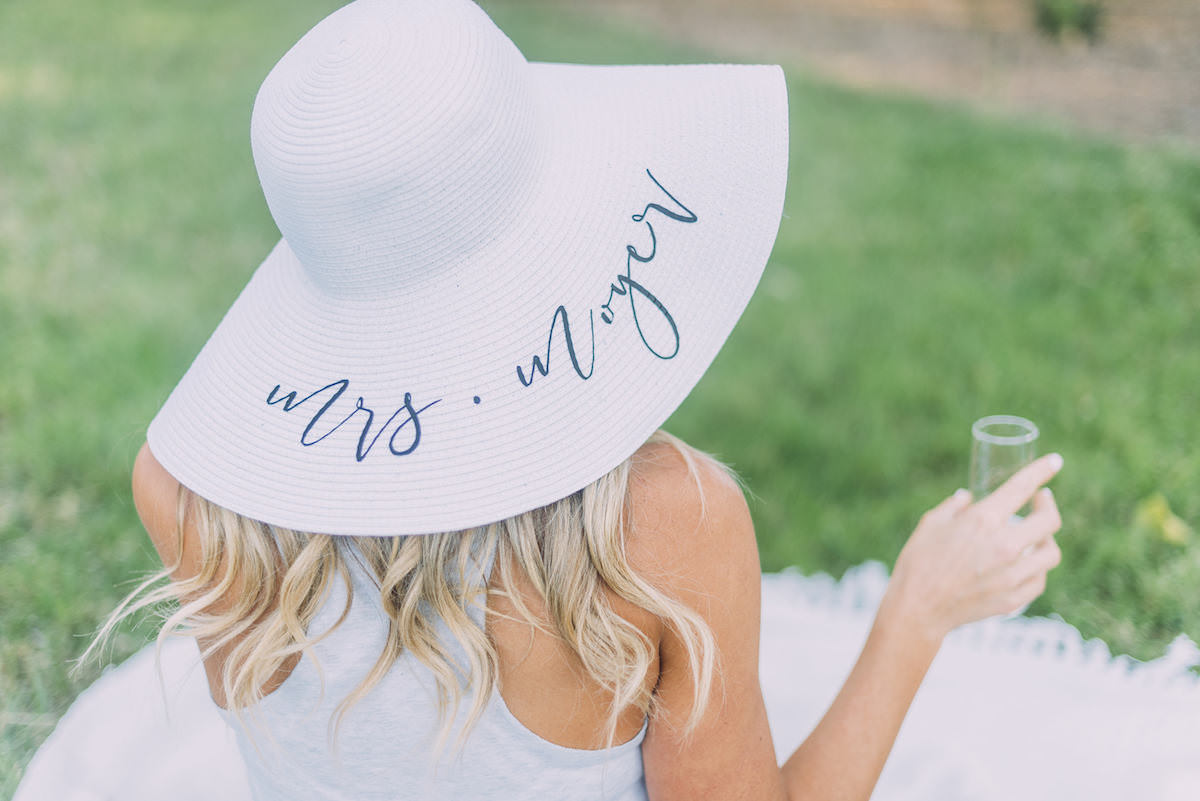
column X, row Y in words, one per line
column 1000, row 445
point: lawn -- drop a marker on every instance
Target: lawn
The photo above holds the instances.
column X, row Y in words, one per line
column 933, row 266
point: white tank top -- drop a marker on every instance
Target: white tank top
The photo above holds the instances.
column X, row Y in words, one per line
column 385, row 748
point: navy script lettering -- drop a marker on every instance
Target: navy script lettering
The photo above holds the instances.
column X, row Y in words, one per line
column 544, row 367
column 312, row 432
column 626, row 286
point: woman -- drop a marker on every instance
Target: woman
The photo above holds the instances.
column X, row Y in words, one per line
column 496, row 280
column 689, row 538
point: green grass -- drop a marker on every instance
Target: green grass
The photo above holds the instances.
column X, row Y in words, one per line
column 933, row 266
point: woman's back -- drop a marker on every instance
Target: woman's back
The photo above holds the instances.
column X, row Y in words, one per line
column 387, row 744
column 545, row 725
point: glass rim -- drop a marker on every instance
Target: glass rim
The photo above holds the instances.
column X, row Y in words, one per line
column 1029, row 433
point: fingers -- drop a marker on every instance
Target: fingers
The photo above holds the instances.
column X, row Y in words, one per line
column 1029, row 580
column 1013, row 542
column 1025, row 579
column 1038, row 561
column 1015, row 493
column 948, row 508
column 1025, row 593
column 1043, row 523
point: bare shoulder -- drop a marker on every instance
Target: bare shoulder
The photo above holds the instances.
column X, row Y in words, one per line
column 691, row 526
column 692, row 535
column 156, row 494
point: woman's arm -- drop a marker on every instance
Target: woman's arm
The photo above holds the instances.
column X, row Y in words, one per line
column 963, row 562
column 844, row 755
column 156, row 496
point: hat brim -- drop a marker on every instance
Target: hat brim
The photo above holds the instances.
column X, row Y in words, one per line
column 537, row 365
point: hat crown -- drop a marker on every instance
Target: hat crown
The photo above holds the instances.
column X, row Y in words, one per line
column 393, row 140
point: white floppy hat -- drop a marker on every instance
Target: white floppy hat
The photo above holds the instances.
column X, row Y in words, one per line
column 497, row 277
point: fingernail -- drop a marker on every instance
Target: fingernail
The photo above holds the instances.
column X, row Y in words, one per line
column 961, row 494
column 1056, row 461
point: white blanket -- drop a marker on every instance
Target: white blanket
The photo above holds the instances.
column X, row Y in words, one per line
column 1012, row 709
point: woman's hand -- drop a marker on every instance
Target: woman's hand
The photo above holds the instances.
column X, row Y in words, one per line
column 968, row 561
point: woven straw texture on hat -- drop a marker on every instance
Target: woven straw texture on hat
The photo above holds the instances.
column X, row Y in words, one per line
column 497, row 277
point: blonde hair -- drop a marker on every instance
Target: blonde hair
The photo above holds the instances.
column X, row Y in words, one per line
column 259, row 586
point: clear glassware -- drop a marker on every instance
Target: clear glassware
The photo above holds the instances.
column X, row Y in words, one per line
column 1000, row 445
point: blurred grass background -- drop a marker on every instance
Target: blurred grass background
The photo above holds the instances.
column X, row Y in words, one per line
column 933, row 266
